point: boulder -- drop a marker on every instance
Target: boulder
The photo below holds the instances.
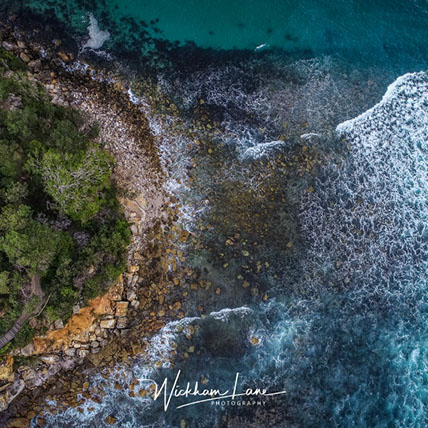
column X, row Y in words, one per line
column 6, row 369
column 121, row 308
column 82, row 353
column 117, row 290
column 10, row 393
column 8, row 46
column 4, row 400
column 131, row 295
column 122, row 322
column 18, row 423
column 110, row 420
column 70, row 352
column 49, row 359
column 108, row 323
column 24, row 57
column 35, row 64
column 58, row 324
column 27, row 350
column 64, row 57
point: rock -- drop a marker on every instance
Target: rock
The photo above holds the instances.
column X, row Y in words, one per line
column 24, row 57
column 122, row 322
column 117, row 290
column 76, row 309
column 57, row 42
column 108, row 323
column 35, row 64
column 6, row 369
column 58, row 324
column 63, row 56
column 255, row 340
column 7, row 396
column 49, row 359
column 131, row 295
column 121, row 308
column 133, row 268
column 27, row 373
column 110, row 420
column 184, row 236
column 135, row 304
column 95, row 344
column 41, row 422
column 82, row 353
column 21, row 44
column 4, row 400
column 18, row 423
column 70, row 352
column 8, row 46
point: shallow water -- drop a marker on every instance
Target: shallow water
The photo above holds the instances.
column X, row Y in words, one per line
column 308, row 201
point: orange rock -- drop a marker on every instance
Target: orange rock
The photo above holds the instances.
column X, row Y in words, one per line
column 110, row 420
column 76, row 329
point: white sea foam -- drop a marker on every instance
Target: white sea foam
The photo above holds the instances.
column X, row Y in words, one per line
column 224, row 314
column 263, row 45
column 263, row 150
column 367, row 217
column 309, row 135
column 97, row 37
column 398, row 106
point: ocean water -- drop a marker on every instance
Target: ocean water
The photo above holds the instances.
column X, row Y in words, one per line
column 302, row 138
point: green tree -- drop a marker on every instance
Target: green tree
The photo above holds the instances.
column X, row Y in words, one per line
column 4, row 280
column 77, row 181
column 14, row 217
column 34, row 247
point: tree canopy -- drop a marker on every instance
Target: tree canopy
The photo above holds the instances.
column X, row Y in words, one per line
column 59, row 215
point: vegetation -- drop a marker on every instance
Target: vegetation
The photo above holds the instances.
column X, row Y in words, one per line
column 59, row 216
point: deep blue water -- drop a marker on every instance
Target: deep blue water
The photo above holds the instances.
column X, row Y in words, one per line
column 340, row 251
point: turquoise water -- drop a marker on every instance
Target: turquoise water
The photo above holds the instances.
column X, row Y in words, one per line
column 289, row 24
column 379, row 30
column 340, row 251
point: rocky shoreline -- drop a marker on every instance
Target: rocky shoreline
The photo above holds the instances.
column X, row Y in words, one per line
column 141, row 301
